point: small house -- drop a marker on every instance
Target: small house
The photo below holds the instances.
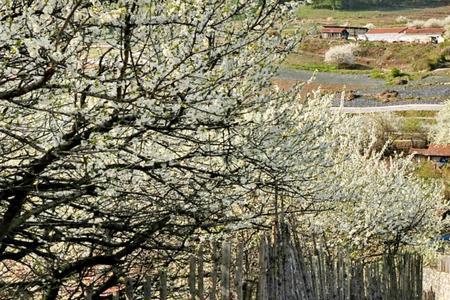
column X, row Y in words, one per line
column 439, row 154
column 385, row 34
column 334, row 33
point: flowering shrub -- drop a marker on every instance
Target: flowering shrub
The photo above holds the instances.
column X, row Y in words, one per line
column 440, row 132
column 341, row 55
column 401, row 19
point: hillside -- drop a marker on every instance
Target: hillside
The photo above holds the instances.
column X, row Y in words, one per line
column 407, row 57
column 378, row 17
column 375, row 4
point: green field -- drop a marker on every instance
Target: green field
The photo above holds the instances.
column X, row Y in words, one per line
column 385, row 18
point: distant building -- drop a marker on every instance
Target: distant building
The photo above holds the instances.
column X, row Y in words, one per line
column 385, row 34
column 439, row 154
column 423, row 35
column 334, row 33
column 404, row 34
column 341, row 32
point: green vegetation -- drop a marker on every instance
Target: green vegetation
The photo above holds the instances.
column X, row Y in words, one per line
column 411, row 61
column 395, row 76
column 428, row 170
column 412, row 125
column 417, row 114
column 379, row 16
column 323, row 67
column 440, row 60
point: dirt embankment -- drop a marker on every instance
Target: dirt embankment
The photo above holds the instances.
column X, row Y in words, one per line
column 409, row 57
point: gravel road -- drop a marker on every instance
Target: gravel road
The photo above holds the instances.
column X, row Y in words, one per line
column 430, row 90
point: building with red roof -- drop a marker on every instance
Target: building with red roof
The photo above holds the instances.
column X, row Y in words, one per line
column 385, row 34
column 424, row 35
column 405, row 34
column 342, row 32
column 334, row 33
column 440, row 154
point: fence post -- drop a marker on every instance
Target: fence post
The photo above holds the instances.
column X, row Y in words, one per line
column 239, row 271
column 191, row 278
column 163, row 285
column 200, row 271
column 89, row 293
column 225, row 271
column 129, row 288
column 148, row 288
column 262, row 284
column 213, row 291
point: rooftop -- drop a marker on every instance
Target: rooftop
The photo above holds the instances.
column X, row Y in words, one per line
column 433, row 150
column 344, row 27
column 332, row 30
column 386, row 30
column 425, row 31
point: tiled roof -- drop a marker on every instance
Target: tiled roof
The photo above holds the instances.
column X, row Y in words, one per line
column 345, row 27
column 425, row 31
column 386, row 30
column 332, row 30
column 433, row 150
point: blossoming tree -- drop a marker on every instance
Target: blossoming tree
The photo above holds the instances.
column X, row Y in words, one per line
column 128, row 128
column 120, row 129
column 440, row 132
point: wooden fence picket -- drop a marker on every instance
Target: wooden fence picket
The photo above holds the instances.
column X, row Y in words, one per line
column 147, row 288
column 129, row 289
column 225, row 271
column 201, row 275
column 286, row 270
column 192, row 276
column 163, row 285
column 214, row 272
column 239, row 272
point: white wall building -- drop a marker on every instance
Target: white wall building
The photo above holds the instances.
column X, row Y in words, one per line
column 385, row 34
column 404, row 34
column 423, row 35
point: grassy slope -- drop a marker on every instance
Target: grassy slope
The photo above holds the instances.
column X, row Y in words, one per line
column 372, row 55
column 404, row 56
column 376, row 17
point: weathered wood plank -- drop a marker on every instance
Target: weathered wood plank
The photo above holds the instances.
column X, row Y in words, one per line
column 225, row 272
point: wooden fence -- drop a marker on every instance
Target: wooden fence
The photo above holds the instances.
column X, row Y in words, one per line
column 443, row 264
column 284, row 270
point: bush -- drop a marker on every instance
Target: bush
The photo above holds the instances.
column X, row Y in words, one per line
column 433, row 23
column 447, row 31
column 394, row 73
column 341, row 55
column 416, row 23
column 401, row 20
column 428, row 170
column 377, row 74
